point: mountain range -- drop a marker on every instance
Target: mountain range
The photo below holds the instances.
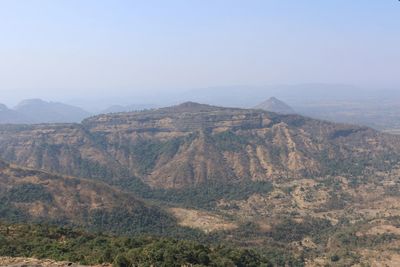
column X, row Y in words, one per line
column 32, row 111
column 128, row 108
column 192, row 144
column 325, row 192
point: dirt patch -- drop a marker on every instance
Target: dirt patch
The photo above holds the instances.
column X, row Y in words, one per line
column 382, row 258
column 383, row 229
column 202, row 220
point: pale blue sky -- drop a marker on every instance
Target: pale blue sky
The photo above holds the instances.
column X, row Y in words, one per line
column 68, row 48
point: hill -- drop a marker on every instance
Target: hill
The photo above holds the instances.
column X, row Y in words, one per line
column 40, row 111
column 191, row 145
column 11, row 116
column 128, row 108
column 275, row 105
column 36, row 196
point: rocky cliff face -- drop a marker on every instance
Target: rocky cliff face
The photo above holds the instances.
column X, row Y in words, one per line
column 191, row 144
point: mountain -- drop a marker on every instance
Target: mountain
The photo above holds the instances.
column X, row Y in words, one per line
column 37, row 196
column 11, row 116
column 39, row 111
column 275, row 105
column 193, row 144
column 129, row 108
column 327, row 193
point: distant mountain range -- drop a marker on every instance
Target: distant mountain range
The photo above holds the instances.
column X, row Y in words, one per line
column 32, row 111
column 128, row 108
column 35, row 111
column 333, row 103
column 11, row 116
column 275, row 105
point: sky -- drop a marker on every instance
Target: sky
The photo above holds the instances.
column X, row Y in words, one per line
column 74, row 49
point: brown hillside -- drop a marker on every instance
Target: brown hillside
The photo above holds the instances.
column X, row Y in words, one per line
column 30, row 195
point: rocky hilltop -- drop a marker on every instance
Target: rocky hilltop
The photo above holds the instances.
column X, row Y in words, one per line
column 192, row 144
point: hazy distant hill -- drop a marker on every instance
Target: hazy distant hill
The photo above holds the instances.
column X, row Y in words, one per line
column 129, row 108
column 39, row 111
column 275, row 105
column 11, row 116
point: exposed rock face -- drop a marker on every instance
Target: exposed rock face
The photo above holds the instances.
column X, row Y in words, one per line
column 275, row 105
column 191, row 144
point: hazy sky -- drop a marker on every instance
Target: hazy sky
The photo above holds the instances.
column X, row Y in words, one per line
column 60, row 49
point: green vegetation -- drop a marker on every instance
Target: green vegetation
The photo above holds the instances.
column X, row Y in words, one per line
column 229, row 141
column 95, row 170
column 203, row 196
column 289, row 230
column 63, row 244
column 143, row 220
column 23, row 193
column 131, row 218
column 26, row 193
column 9, row 212
column 147, row 152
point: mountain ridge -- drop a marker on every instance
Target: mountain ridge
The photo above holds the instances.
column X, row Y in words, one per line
column 34, row 111
column 317, row 189
column 191, row 144
column 29, row 195
column 50, row 112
